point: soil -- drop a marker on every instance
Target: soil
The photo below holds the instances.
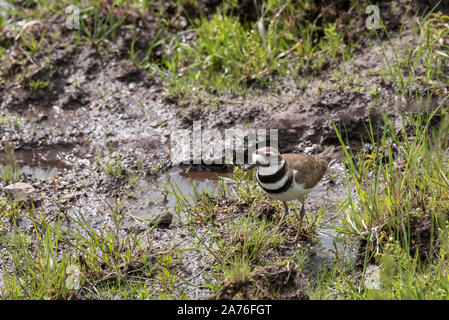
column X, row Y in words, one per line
column 423, row 242
column 285, row 280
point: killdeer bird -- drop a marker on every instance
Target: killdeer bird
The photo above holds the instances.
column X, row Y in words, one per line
column 290, row 176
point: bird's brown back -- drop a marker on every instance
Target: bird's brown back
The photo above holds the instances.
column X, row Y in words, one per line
column 310, row 169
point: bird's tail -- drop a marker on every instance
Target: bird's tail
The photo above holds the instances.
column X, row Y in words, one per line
column 327, row 153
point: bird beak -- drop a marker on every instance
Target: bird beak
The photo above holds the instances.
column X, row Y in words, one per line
column 250, row 166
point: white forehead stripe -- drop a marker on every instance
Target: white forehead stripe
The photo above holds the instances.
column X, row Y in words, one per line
column 259, row 158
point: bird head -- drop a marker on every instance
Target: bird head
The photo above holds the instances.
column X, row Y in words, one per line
column 264, row 157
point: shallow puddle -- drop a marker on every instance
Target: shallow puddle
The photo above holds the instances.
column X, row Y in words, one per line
column 156, row 195
column 39, row 163
column 153, row 196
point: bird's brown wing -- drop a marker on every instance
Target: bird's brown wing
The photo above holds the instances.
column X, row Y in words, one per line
column 310, row 169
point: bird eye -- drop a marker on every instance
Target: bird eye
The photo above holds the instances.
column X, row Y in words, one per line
column 267, row 154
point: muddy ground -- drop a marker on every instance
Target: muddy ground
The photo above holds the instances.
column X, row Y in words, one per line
column 99, row 106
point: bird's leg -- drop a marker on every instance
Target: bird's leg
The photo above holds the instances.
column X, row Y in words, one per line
column 296, row 214
column 285, row 211
column 301, row 216
column 302, row 212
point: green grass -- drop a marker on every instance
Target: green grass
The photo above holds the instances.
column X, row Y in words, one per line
column 32, row 45
column 10, row 209
column 397, row 188
column 226, row 55
column 405, row 277
column 405, row 174
column 231, row 55
column 9, row 171
column 39, row 272
column 424, row 64
column 99, row 25
column 2, row 19
column 111, row 167
column 249, row 240
column 38, row 85
column 397, row 202
column 244, row 243
column 401, row 277
column 55, row 263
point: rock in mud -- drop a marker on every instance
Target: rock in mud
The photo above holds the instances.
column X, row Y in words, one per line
column 68, row 197
column 162, row 221
column 21, row 191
